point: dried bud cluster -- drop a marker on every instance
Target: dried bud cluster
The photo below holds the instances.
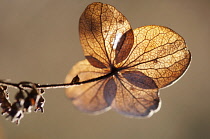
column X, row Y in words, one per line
column 25, row 100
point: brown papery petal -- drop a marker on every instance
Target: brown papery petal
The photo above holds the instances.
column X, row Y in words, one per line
column 140, row 80
column 101, row 27
column 110, row 90
column 134, row 101
column 87, row 97
column 124, row 46
column 159, row 53
column 95, row 62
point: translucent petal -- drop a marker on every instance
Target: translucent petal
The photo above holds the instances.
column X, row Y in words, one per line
column 87, row 97
column 105, row 35
column 134, row 101
column 159, row 53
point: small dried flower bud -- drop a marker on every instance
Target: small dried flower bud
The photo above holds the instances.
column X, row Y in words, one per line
column 20, row 97
column 3, row 93
column 6, row 107
column 28, row 104
column 40, row 105
column 16, row 112
column 32, row 99
column 4, row 102
column 75, row 79
column 40, row 102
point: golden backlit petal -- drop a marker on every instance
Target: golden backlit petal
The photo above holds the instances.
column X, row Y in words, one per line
column 87, row 97
column 102, row 29
column 91, row 99
column 159, row 53
column 133, row 101
column 166, row 70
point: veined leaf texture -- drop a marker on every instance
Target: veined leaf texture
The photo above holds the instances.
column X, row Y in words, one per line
column 139, row 62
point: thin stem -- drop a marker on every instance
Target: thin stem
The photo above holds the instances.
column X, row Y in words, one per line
column 14, row 85
column 53, row 86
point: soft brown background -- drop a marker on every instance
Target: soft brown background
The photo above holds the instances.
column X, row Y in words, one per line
column 39, row 42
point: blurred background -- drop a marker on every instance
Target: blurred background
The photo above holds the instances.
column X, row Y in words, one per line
column 39, row 42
